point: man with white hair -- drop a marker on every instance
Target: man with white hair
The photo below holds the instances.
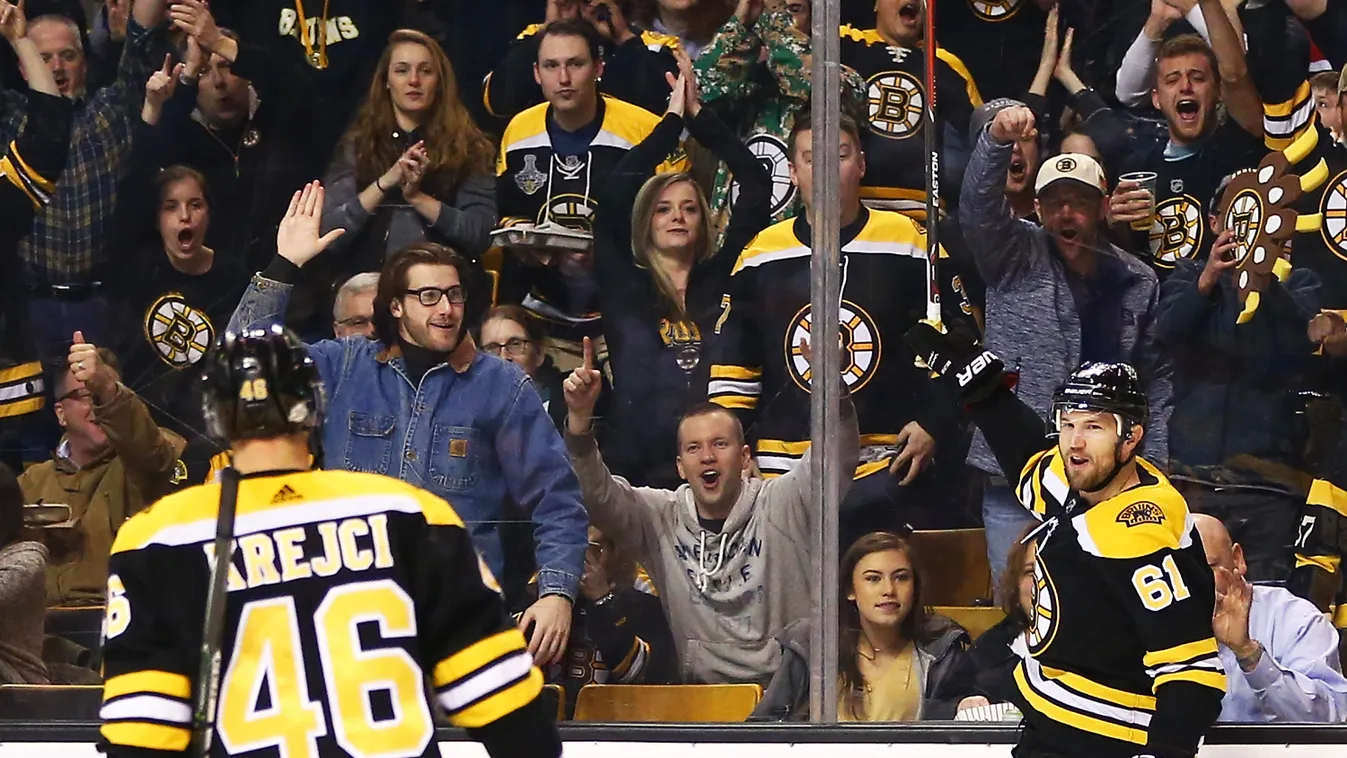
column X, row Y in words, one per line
column 1280, row 654
column 353, row 309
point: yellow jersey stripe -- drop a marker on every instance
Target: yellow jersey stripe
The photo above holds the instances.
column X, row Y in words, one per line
column 736, row 402
column 31, row 174
column 1324, row 493
column 1212, row 679
column 147, row 736
column 21, row 407
column 1329, row 563
column 154, row 682
column 782, row 447
column 1100, row 691
column 1181, row 653
column 504, row 702
column 741, row 373
column 11, row 174
column 477, row 656
column 1063, row 715
column 955, row 63
column 21, row 371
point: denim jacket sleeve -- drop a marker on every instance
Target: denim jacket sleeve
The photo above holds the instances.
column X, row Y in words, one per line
column 539, row 478
column 263, row 303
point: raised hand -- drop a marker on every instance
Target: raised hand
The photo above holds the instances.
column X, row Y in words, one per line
column 691, row 96
column 581, row 390
column 195, row 59
column 678, row 94
column 1220, row 260
column 748, row 12
column 1048, row 58
column 1012, row 125
column 87, row 367
column 297, row 238
column 194, row 18
column 1128, row 203
column 606, row 18
column 13, row 22
column 118, row 12
column 160, row 87
column 414, row 162
column 558, row 10
column 397, row 173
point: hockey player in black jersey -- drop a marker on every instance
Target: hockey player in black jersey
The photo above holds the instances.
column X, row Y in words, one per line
column 346, row 591
column 1119, row 658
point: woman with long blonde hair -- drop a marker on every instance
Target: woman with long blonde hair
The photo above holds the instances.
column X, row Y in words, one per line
column 662, row 282
column 413, row 166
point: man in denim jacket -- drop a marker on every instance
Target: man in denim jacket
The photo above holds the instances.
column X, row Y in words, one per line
column 420, row 403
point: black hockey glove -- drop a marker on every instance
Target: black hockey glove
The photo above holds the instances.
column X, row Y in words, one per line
column 976, row 372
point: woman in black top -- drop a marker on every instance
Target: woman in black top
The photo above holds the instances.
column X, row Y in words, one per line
column 662, row 285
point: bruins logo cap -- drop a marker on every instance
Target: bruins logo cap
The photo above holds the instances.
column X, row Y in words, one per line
column 1071, row 167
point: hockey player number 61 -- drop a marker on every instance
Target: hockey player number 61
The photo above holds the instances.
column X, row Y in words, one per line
column 1156, row 592
column 267, row 654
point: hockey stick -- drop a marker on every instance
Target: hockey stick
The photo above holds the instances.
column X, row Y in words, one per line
column 932, row 173
column 208, row 673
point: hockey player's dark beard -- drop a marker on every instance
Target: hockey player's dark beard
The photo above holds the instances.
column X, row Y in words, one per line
column 1112, row 474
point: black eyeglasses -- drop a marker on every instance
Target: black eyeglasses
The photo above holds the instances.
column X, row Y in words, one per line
column 431, row 296
column 514, row 347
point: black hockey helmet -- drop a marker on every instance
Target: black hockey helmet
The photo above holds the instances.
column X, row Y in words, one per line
column 1105, row 387
column 260, row 383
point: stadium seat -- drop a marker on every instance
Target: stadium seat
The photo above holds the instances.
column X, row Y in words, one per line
column 976, row 619
column 554, row 692
column 624, row 703
column 50, row 702
column 954, row 563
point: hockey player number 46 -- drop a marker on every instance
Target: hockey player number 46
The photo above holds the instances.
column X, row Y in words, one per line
column 1158, row 588
column 267, row 654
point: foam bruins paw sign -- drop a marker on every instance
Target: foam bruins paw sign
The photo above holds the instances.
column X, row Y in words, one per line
column 1256, row 207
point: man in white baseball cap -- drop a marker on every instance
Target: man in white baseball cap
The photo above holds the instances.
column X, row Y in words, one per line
column 1072, row 198
column 1058, row 294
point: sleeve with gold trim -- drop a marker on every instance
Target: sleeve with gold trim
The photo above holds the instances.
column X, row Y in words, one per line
column 1322, row 543
column 736, row 370
column 32, row 163
column 632, row 634
column 148, row 653
column 482, row 672
column 1150, row 558
column 1278, row 59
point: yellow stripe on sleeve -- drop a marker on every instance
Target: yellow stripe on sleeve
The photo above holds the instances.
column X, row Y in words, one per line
column 478, row 655
column 1323, row 493
column 147, row 736
column 1181, row 653
column 43, row 183
column 736, row 402
column 1204, row 677
column 1329, row 563
column 737, row 373
column 502, row 703
column 149, row 682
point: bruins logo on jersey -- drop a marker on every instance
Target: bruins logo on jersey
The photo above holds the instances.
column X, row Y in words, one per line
column 180, row 334
column 1143, row 512
column 569, row 210
column 771, row 153
column 1177, row 230
column 861, row 347
column 896, row 102
column 995, row 10
column 1334, row 209
column 1043, row 625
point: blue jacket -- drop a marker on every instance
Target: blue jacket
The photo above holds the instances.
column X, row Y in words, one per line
column 472, row 434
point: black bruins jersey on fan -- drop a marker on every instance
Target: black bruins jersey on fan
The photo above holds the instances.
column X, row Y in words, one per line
column 1119, row 654
column 1321, row 542
column 760, row 371
column 895, row 153
column 28, row 172
column 535, row 185
column 1183, row 190
column 1320, row 242
column 999, row 40
column 345, row 591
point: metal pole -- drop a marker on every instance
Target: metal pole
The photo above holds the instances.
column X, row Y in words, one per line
column 825, row 270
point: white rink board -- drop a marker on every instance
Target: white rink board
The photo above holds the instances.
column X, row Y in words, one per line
column 742, row 750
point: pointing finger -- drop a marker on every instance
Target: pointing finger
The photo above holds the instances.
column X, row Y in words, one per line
column 589, row 355
column 79, row 337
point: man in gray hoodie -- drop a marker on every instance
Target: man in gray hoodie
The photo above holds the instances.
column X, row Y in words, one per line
column 729, row 553
column 1058, row 295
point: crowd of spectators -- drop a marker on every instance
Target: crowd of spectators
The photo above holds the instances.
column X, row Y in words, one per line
column 565, row 247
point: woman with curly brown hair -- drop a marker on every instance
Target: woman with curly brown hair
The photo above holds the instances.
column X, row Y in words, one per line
column 412, row 167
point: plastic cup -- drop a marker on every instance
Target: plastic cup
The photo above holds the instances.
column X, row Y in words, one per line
column 1147, row 181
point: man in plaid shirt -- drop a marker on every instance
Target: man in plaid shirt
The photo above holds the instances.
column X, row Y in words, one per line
column 61, row 259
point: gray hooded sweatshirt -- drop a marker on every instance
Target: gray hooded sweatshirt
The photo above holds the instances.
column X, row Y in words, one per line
column 728, row 595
